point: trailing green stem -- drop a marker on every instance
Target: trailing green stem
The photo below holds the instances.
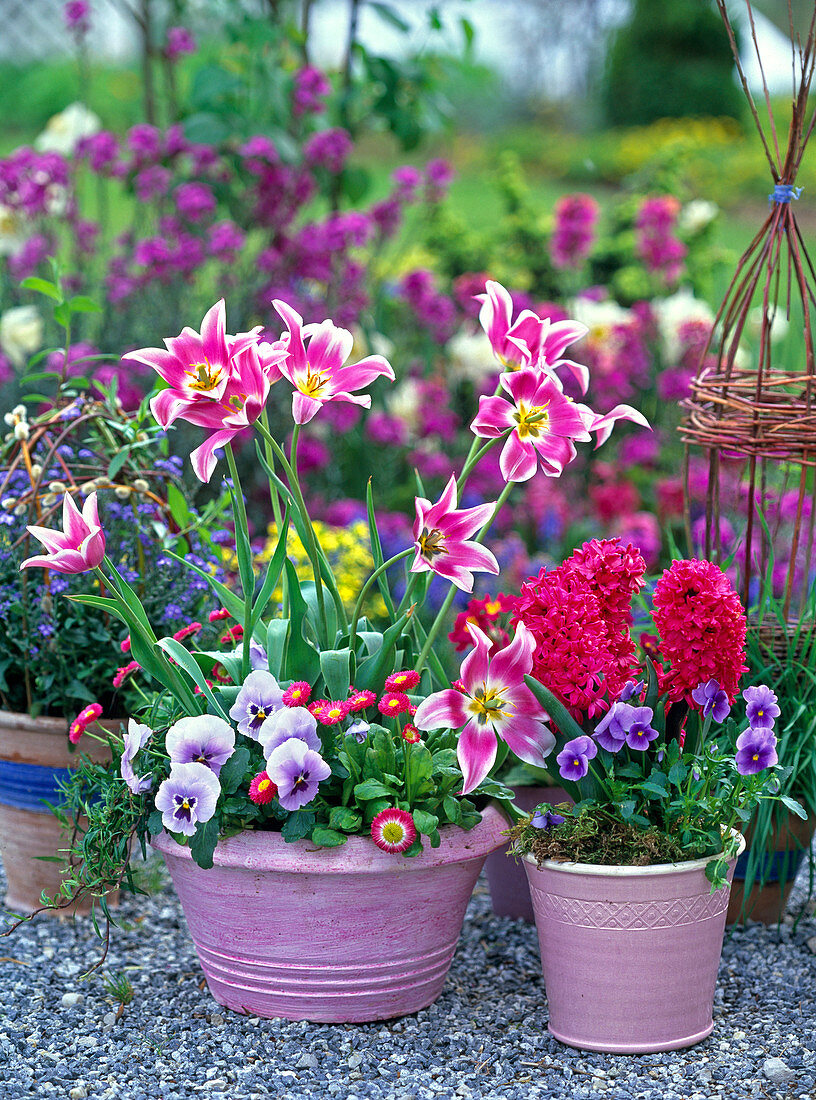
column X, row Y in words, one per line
column 241, row 517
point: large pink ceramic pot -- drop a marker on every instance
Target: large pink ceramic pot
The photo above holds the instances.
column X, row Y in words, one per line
column 34, row 757
column 629, row 954
column 332, row 935
column 509, row 892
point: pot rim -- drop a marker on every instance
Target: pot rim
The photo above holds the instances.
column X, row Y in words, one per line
column 264, row 850
column 616, row 870
column 49, row 723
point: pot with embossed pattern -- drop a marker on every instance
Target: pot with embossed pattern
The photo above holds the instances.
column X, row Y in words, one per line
column 629, row 954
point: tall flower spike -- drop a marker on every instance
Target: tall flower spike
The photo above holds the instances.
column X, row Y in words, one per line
column 494, row 701
column 80, row 545
column 319, row 374
column 540, row 422
column 441, row 539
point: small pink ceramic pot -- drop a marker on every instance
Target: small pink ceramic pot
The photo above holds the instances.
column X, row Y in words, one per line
column 629, row 954
column 509, row 892
column 333, row 935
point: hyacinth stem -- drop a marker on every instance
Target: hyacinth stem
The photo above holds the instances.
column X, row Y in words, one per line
column 358, row 607
column 241, row 517
column 445, row 608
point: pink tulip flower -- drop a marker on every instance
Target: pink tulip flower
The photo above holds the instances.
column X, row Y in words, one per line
column 495, row 702
column 441, row 535
column 197, row 367
column 319, row 375
column 80, row 545
column 529, row 341
column 540, row 421
column 514, row 343
column 603, row 423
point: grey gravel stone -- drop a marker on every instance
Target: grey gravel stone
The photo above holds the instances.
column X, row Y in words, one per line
column 776, row 1070
column 486, row 1037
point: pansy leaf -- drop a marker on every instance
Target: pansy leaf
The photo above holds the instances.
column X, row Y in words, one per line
column 327, row 838
column 426, row 823
column 233, row 772
column 677, row 773
column 154, row 823
column 792, row 805
column 202, row 845
column 345, row 818
column 372, row 788
column 298, row 825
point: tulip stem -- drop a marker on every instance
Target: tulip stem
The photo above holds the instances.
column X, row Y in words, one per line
column 274, row 497
column 443, row 610
column 358, row 607
column 249, row 592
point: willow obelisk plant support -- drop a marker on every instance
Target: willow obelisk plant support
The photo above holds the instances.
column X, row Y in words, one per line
column 304, row 732
column 756, row 421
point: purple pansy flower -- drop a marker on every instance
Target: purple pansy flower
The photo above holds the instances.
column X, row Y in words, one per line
column 713, row 700
column 610, row 732
column 258, row 659
column 136, row 738
column 297, row 772
column 359, row 729
column 202, row 739
column 636, row 722
column 630, row 689
column 756, row 750
column 187, row 796
column 761, row 707
column 574, row 758
column 546, row 819
column 289, row 722
column 260, row 696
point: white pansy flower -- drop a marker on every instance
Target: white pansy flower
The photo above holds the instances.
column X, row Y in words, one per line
column 63, row 132
column 21, row 333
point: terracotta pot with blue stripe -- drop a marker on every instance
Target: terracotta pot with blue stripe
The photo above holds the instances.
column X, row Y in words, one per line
column 34, row 756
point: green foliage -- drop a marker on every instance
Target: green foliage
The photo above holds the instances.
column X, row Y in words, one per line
column 670, row 59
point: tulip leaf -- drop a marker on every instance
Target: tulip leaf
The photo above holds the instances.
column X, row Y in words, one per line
column 652, row 687
column 302, row 660
column 184, row 658
column 555, row 708
column 276, row 633
column 372, row 672
column 234, row 604
column 335, row 664
column 272, row 577
column 377, row 553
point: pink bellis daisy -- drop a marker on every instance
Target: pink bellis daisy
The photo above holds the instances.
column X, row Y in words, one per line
column 393, row 830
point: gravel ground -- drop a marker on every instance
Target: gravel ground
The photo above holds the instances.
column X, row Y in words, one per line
column 485, row 1037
